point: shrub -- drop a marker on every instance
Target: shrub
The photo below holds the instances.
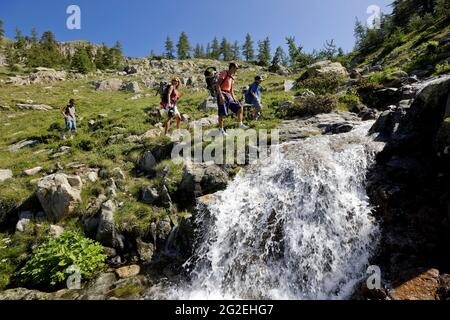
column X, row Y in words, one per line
column 347, row 101
column 50, row 262
column 313, row 105
column 442, row 68
column 432, row 46
column 415, row 23
column 396, row 39
column 321, row 84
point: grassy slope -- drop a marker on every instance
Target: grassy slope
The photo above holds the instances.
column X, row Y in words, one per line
column 90, row 147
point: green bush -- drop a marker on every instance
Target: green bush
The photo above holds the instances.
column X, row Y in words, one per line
column 51, row 260
column 312, row 105
column 442, row 68
column 395, row 40
column 432, row 46
column 321, row 84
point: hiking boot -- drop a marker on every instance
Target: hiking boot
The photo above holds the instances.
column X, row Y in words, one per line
column 243, row 126
column 223, row 132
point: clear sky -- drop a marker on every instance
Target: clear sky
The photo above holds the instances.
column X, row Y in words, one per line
column 142, row 25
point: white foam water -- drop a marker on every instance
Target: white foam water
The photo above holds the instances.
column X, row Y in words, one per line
column 296, row 226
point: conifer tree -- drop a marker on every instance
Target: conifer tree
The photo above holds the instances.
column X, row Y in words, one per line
column 170, row 49
column 183, row 47
column 247, row 49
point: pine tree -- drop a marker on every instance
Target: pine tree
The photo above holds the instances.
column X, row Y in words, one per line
column 208, row 51
column 360, row 33
column 2, row 31
column 34, row 36
column 215, row 49
column 264, row 55
column 225, row 50
column 330, row 50
column 170, row 49
column 199, row 51
column 278, row 59
column 247, row 49
column 183, row 47
column 46, row 53
column 442, row 8
column 116, row 55
column 294, row 50
column 81, row 61
column 11, row 58
column 99, row 60
column 236, row 51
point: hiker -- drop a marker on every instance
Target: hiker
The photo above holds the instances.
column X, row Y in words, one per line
column 253, row 97
column 70, row 118
column 225, row 97
column 170, row 100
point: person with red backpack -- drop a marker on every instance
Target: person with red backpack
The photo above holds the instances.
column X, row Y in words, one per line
column 169, row 101
column 225, row 97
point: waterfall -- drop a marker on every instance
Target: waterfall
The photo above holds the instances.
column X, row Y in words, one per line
column 296, row 226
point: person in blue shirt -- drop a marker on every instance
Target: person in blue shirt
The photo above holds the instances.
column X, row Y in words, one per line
column 253, row 96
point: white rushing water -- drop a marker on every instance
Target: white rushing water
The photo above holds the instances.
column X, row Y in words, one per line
column 297, row 226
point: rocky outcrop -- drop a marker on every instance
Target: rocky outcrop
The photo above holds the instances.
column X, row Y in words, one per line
column 132, row 87
column 327, row 67
column 108, row 85
column 35, row 107
column 58, row 194
column 410, row 185
column 22, row 144
column 41, row 76
column 202, row 179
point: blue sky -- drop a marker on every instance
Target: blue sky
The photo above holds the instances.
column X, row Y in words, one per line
column 142, row 25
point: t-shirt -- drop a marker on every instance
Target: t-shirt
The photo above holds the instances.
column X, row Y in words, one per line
column 70, row 112
column 256, row 89
column 226, row 81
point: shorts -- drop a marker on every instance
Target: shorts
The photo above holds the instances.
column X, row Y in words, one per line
column 257, row 104
column 172, row 111
column 230, row 104
column 71, row 125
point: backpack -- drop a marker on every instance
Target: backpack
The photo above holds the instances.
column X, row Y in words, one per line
column 212, row 77
column 164, row 91
column 248, row 96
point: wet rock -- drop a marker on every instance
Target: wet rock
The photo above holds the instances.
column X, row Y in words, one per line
column 58, row 194
column 128, row 271
column 149, row 195
column 201, row 179
column 416, row 284
column 145, row 250
column 23, row 294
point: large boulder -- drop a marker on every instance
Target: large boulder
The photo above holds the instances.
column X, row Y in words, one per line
column 59, row 194
column 202, row 179
column 5, row 174
column 327, row 67
column 147, row 162
column 208, row 103
column 106, row 231
column 132, row 87
column 108, row 85
column 417, row 284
